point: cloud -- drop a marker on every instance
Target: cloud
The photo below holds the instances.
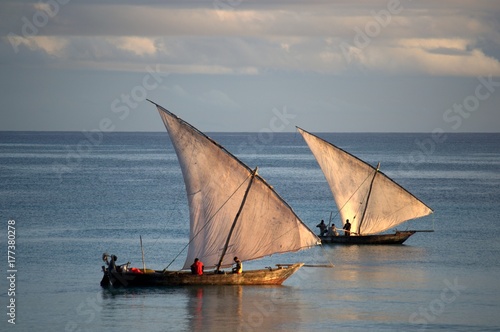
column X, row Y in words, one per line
column 137, row 45
column 52, row 46
column 434, row 43
column 449, row 57
column 250, row 38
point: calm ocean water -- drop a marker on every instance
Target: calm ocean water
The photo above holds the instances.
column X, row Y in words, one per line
column 75, row 196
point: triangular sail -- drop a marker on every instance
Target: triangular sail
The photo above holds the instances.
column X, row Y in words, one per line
column 350, row 180
column 216, row 182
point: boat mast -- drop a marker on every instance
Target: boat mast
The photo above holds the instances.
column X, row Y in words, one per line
column 226, row 245
column 367, row 199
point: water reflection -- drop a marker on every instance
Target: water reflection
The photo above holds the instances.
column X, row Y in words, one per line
column 204, row 308
column 209, row 307
column 372, row 265
column 368, row 279
column 240, row 308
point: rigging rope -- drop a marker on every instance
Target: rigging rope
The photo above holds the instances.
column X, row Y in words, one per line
column 206, row 224
column 355, row 191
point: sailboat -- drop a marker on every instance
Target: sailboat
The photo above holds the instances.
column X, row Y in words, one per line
column 233, row 211
column 371, row 201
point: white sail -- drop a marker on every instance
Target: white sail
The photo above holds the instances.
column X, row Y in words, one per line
column 370, row 200
column 216, row 182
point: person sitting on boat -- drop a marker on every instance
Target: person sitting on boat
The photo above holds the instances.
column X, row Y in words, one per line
column 238, row 266
column 197, row 267
column 347, row 228
column 333, row 231
column 322, row 228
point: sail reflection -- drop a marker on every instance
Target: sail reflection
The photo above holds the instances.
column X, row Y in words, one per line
column 370, row 274
column 239, row 308
column 371, row 264
column 206, row 308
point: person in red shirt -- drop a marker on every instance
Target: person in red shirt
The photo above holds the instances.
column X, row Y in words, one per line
column 197, row 267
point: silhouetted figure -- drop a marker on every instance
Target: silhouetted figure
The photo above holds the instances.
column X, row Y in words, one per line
column 322, row 228
column 347, row 228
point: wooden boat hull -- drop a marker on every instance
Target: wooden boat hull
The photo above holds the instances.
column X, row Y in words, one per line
column 397, row 238
column 268, row 276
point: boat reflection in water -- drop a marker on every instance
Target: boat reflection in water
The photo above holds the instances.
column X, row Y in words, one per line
column 238, row 308
column 202, row 308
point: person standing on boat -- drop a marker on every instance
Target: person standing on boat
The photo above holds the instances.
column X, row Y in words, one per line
column 347, row 228
column 238, row 266
column 112, row 264
column 197, row 267
column 322, row 228
column 333, row 231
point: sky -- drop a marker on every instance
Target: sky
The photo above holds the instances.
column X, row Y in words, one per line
column 251, row 65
